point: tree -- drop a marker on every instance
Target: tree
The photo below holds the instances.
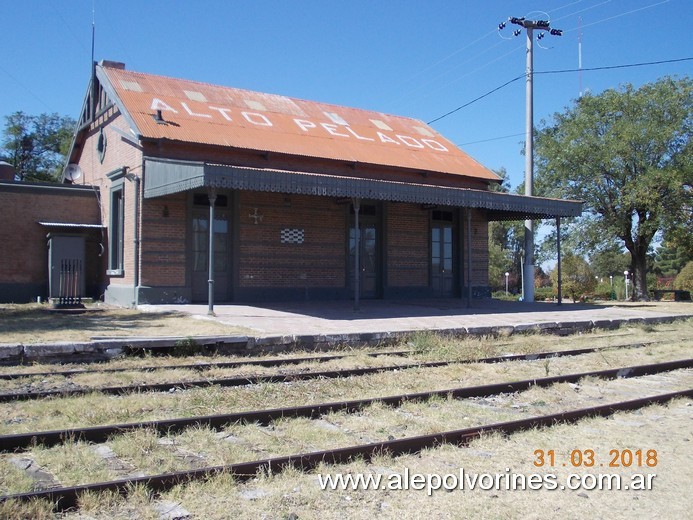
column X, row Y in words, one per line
column 627, row 154
column 610, row 260
column 670, row 259
column 506, row 244
column 576, row 276
column 37, row 145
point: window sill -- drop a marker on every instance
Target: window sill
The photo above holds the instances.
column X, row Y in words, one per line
column 115, row 272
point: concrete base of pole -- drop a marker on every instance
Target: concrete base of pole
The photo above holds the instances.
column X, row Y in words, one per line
column 528, row 278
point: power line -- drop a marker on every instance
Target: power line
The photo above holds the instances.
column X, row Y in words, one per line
column 491, row 139
column 611, row 67
column 563, row 71
column 583, row 10
column 622, row 14
column 477, row 99
column 27, row 89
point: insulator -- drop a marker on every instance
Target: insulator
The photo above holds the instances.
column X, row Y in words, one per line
column 517, row 21
column 542, row 23
column 517, row 32
column 501, row 25
column 540, row 36
column 556, row 32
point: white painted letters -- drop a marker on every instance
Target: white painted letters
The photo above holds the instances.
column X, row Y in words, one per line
column 357, row 136
column 304, row 125
column 410, row 141
column 435, row 145
column 256, row 119
column 332, row 129
column 187, row 109
column 223, row 112
column 385, row 139
column 157, row 104
column 337, row 128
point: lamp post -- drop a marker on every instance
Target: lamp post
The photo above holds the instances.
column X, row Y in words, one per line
column 506, row 283
column 625, row 273
column 611, row 279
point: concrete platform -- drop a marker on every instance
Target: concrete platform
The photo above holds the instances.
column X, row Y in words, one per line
column 379, row 316
column 322, row 325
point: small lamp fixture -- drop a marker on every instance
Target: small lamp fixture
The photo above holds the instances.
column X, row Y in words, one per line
column 625, row 273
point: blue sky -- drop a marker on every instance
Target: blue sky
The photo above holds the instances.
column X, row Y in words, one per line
column 411, row 58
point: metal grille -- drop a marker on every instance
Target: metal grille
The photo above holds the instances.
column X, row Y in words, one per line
column 70, row 282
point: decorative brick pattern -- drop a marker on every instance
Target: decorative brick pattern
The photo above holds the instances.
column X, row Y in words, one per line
column 291, row 236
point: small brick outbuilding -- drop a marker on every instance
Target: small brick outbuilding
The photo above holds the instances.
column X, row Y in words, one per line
column 36, row 216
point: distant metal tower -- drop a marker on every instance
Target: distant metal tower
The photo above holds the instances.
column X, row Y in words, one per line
column 530, row 26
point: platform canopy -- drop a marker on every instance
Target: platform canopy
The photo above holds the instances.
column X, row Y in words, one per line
column 166, row 177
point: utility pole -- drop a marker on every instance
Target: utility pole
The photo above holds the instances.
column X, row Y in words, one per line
column 530, row 26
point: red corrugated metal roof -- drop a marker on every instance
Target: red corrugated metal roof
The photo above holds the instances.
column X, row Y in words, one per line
column 208, row 114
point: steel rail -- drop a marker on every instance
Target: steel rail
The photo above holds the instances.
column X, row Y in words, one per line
column 299, row 376
column 203, row 366
column 97, row 434
column 275, row 362
column 67, row 497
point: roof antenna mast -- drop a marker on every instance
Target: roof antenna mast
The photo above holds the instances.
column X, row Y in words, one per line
column 93, row 28
column 94, row 89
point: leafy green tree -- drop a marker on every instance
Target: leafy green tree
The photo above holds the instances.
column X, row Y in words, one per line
column 610, row 260
column 37, row 145
column 670, row 259
column 577, row 277
column 627, row 154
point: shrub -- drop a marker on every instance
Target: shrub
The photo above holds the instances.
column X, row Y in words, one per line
column 542, row 293
column 578, row 278
column 684, row 280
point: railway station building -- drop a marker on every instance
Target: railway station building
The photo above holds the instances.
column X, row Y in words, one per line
column 304, row 200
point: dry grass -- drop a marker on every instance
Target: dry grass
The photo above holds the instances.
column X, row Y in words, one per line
column 98, row 409
column 34, row 323
column 293, row 494
column 72, row 463
column 34, row 510
column 12, row 479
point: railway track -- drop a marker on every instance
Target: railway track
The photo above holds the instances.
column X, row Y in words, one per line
column 277, row 362
column 273, row 378
column 67, row 497
column 269, row 440
column 97, row 434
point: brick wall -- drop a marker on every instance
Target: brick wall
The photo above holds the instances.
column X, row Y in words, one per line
column 120, row 152
column 407, row 246
column 319, row 261
column 163, row 241
column 479, row 249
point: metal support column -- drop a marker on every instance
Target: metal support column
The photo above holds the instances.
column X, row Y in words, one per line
column 558, row 265
column 357, row 255
column 469, row 257
column 136, row 240
column 210, row 259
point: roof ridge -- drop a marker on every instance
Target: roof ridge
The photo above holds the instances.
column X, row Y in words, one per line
column 299, row 99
